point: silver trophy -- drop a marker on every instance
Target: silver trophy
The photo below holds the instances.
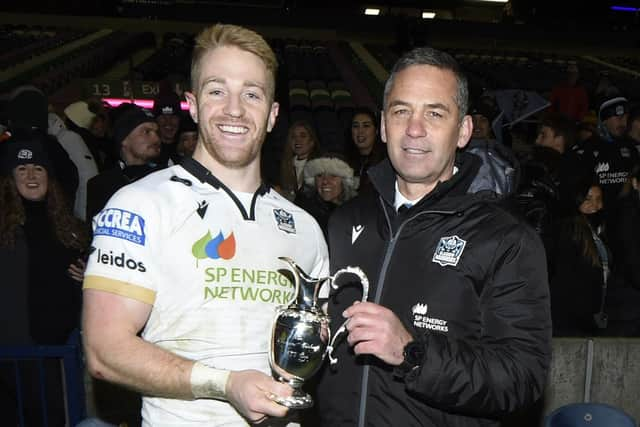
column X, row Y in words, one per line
column 301, row 337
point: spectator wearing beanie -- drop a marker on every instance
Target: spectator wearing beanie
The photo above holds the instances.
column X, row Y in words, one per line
column 483, row 112
column 135, row 132
column 329, row 181
column 27, row 114
column 166, row 108
column 610, row 155
column 40, row 246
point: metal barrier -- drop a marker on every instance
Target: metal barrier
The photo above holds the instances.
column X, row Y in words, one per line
column 25, row 365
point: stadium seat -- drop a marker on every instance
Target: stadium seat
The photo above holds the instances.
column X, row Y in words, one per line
column 589, row 415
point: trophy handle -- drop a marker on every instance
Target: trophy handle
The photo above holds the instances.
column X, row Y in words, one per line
column 295, row 271
column 364, row 281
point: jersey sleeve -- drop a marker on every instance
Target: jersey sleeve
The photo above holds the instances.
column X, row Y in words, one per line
column 122, row 257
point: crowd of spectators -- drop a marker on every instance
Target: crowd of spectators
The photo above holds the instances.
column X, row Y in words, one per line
column 576, row 181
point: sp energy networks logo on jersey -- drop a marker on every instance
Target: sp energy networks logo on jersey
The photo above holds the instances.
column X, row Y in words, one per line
column 121, row 224
column 449, row 250
column 214, row 248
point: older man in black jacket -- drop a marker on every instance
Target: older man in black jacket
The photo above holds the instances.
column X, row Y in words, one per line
column 457, row 331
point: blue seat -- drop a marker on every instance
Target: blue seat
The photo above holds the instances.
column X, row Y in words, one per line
column 589, row 415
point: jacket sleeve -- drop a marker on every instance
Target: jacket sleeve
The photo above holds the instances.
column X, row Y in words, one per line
column 506, row 368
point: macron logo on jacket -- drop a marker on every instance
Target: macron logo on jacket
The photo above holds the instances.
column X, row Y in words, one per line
column 356, row 230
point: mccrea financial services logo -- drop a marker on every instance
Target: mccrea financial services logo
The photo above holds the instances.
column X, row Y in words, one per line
column 121, row 224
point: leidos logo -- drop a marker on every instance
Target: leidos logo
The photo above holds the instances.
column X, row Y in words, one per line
column 214, row 248
column 119, row 261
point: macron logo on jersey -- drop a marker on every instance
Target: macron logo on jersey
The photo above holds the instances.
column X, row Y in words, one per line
column 121, row 224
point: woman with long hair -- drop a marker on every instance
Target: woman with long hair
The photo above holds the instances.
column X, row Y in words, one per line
column 579, row 261
column 366, row 148
column 302, row 144
column 41, row 244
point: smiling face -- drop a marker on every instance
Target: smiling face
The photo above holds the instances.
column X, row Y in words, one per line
column 422, row 127
column 363, row 132
column 593, row 202
column 32, row 181
column 329, row 187
column 232, row 107
column 302, row 142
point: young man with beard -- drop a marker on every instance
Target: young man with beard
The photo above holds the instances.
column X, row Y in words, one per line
column 136, row 134
column 457, row 329
column 198, row 245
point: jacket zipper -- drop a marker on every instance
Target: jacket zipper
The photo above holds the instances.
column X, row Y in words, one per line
column 383, row 272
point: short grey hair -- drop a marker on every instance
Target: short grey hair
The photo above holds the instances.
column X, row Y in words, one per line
column 435, row 58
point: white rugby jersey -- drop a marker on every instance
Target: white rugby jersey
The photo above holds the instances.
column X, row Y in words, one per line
column 178, row 240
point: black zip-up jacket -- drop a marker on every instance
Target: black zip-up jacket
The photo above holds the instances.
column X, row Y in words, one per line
column 466, row 278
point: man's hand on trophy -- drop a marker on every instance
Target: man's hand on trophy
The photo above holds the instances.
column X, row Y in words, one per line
column 374, row 329
column 249, row 392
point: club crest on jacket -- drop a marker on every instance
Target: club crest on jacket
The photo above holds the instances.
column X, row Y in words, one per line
column 449, row 250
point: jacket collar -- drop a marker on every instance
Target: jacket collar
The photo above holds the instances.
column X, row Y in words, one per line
column 383, row 177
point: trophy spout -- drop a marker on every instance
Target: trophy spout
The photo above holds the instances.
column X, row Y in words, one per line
column 306, row 287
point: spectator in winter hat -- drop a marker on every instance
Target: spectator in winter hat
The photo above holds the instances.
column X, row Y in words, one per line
column 483, row 112
column 609, row 155
column 40, row 247
column 166, row 108
column 613, row 114
column 26, row 112
column 135, row 132
column 329, row 181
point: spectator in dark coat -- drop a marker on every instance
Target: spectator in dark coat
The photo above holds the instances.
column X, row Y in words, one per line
column 136, row 133
column 579, row 259
column 41, row 244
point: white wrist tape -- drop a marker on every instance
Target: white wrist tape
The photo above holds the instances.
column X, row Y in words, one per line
column 208, row 383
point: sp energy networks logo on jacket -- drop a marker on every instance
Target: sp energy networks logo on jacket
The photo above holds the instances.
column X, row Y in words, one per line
column 120, row 224
column 421, row 320
column 449, row 250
